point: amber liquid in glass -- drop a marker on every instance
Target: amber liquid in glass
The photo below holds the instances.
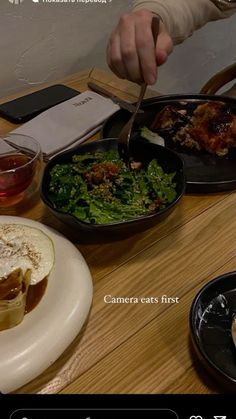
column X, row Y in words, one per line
column 15, row 182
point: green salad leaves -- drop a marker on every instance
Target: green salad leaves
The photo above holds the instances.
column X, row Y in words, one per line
column 98, row 188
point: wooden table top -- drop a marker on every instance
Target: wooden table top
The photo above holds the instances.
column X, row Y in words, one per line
column 142, row 348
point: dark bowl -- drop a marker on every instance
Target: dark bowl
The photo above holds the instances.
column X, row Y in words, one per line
column 211, row 316
column 141, row 151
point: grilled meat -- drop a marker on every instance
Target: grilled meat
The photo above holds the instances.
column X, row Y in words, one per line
column 167, row 118
column 212, row 128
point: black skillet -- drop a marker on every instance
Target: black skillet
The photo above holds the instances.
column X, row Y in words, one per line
column 204, row 172
column 168, row 159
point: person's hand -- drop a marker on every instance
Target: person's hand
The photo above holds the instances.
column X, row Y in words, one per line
column 131, row 52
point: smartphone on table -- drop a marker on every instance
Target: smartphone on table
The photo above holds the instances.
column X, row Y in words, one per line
column 27, row 107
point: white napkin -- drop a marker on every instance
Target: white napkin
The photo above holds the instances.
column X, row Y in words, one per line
column 70, row 122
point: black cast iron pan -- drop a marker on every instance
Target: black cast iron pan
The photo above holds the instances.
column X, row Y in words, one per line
column 204, row 172
column 170, row 162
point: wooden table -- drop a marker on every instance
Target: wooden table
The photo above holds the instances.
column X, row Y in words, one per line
column 143, row 348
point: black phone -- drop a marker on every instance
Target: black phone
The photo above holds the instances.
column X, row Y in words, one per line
column 27, row 107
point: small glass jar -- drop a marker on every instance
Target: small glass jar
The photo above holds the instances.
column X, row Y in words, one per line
column 20, row 170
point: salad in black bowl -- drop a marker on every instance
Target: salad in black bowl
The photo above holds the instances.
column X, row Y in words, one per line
column 91, row 189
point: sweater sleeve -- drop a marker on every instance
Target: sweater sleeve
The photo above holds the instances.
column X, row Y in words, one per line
column 183, row 17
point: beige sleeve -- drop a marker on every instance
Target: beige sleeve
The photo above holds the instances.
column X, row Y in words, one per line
column 183, row 17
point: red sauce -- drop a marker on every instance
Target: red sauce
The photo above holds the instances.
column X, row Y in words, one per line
column 13, row 183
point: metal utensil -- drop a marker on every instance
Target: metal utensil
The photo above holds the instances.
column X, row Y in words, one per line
column 122, row 103
column 124, row 137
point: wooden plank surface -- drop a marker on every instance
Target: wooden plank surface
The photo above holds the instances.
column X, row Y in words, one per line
column 170, row 368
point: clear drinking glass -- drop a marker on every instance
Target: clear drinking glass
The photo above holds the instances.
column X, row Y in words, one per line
column 20, row 169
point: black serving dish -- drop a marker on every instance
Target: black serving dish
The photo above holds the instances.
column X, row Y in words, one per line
column 205, row 173
column 211, row 318
column 141, row 151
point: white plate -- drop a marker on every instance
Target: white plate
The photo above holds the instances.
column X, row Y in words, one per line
column 29, row 348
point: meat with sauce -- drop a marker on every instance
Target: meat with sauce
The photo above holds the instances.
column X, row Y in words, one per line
column 212, row 128
column 167, row 118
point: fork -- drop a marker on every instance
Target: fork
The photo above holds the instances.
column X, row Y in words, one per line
column 125, row 134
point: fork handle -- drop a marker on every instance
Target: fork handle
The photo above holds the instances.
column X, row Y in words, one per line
column 141, row 96
column 155, row 32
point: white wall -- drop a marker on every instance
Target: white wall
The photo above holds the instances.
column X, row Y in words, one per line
column 42, row 42
column 192, row 63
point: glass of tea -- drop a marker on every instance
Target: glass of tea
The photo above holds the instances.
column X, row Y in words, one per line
column 20, row 169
